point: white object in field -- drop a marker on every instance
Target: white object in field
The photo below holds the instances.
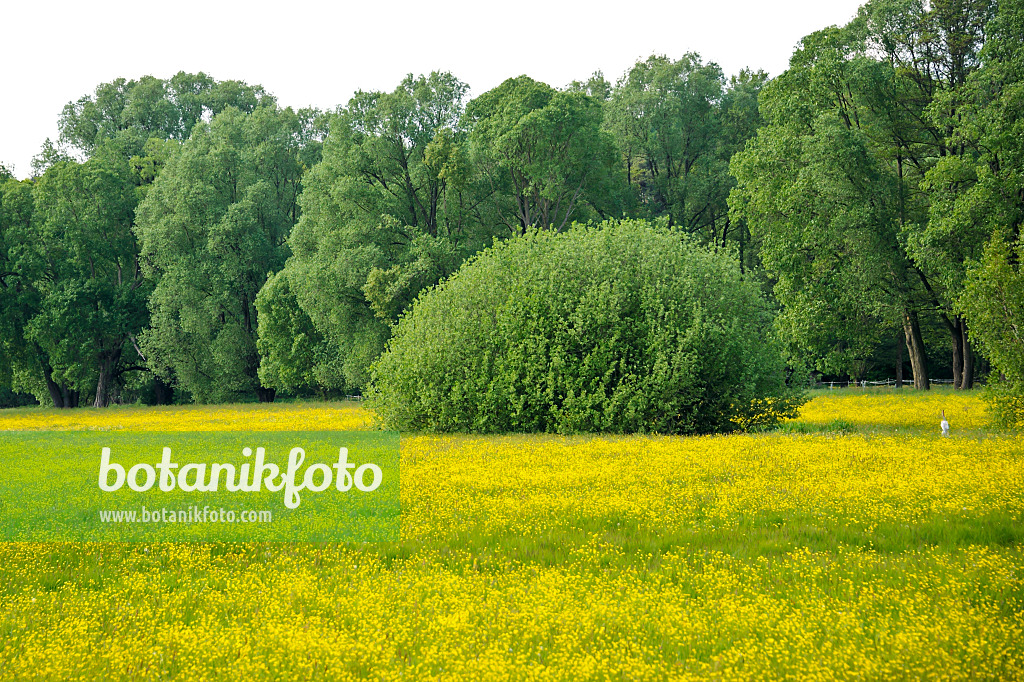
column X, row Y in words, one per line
column 944, row 425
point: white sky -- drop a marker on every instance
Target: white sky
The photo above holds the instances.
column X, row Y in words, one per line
column 308, row 53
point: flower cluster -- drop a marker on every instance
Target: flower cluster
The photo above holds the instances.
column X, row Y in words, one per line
column 768, row 556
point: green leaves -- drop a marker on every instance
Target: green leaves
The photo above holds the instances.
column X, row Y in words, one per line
column 851, row 186
column 211, row 228
column 75, row 295
column 135, row 111
column 392, row 209
column 542, row 152
column 612, row 328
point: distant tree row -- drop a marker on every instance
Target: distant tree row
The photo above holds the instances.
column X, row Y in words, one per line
column 191, row 235
column 885, row 186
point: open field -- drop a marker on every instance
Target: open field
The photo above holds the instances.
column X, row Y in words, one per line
column 856, row 543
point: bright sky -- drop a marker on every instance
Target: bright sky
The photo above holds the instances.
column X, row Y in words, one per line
column 308, row 53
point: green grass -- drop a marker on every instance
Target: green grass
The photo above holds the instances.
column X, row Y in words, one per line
column 843, row 543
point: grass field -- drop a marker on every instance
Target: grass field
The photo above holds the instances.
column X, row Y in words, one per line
column 854, row 543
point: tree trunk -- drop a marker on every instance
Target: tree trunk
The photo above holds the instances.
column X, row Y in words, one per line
column 101, row 388
column 102, row 384
column 55, row 393
column 915, row 347
column 968, row 381
column 108, row 361
column 958, row 353
column 899, row 364
column 163, row 392
column 266, row 395
column 70, row 396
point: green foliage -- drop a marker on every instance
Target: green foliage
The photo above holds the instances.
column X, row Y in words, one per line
column 993, row 303
column 389, row 211
column 885, row 159
column 212, row 226
column 677, row 123
column 620, row 327
column 543, row 153
column 985, row 202
column 74, row 298
column 825, row 210
column 292, row 350
column 132, row 111
column 16, row 206
column 851, row 186
column 665, row 116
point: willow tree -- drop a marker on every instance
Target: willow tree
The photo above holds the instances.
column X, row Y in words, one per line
column 74, row 296
column 827, row 208
column 543, row 155
column 855, row 218
column 393, row 208
column 214, row 224
column 992, row 201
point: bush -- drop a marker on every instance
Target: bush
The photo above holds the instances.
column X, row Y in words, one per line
column 993, row 304
column 1005, row 400
column 620, row 327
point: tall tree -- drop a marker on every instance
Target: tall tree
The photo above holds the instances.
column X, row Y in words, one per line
column 543, row 154
column 214, row 224
column 826, row 207
column 890, row 79
column 991, row 201
column 78, row 291
column 73, row 290
column 18, row 300
column 132, row 111
column 677, row 123
column 927, row 53
column 393, row 208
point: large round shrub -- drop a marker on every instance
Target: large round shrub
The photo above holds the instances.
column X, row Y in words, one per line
column 622, row 327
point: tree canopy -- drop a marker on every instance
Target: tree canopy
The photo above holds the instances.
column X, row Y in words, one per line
column 188, row 238
column 212, row 227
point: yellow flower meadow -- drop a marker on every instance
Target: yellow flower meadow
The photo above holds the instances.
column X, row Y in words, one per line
column 891, row 409
column 297, row 416
column 872, row 555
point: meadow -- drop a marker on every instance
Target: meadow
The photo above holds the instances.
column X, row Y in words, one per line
column 853, row 543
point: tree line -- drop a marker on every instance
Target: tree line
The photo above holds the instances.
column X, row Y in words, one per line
column 191, row 239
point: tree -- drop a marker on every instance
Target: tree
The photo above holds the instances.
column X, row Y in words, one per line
column 890, row 79
column 927, row 53
column 677, row 123
column 814, row 189
column 741, row 119
column 392, row 209
column 214, row 224
column 993, row 301
column 992, row 202
column 17, row 300
column 665, row 116
column 543, row 154
column 132, row 111
column 76, row 296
